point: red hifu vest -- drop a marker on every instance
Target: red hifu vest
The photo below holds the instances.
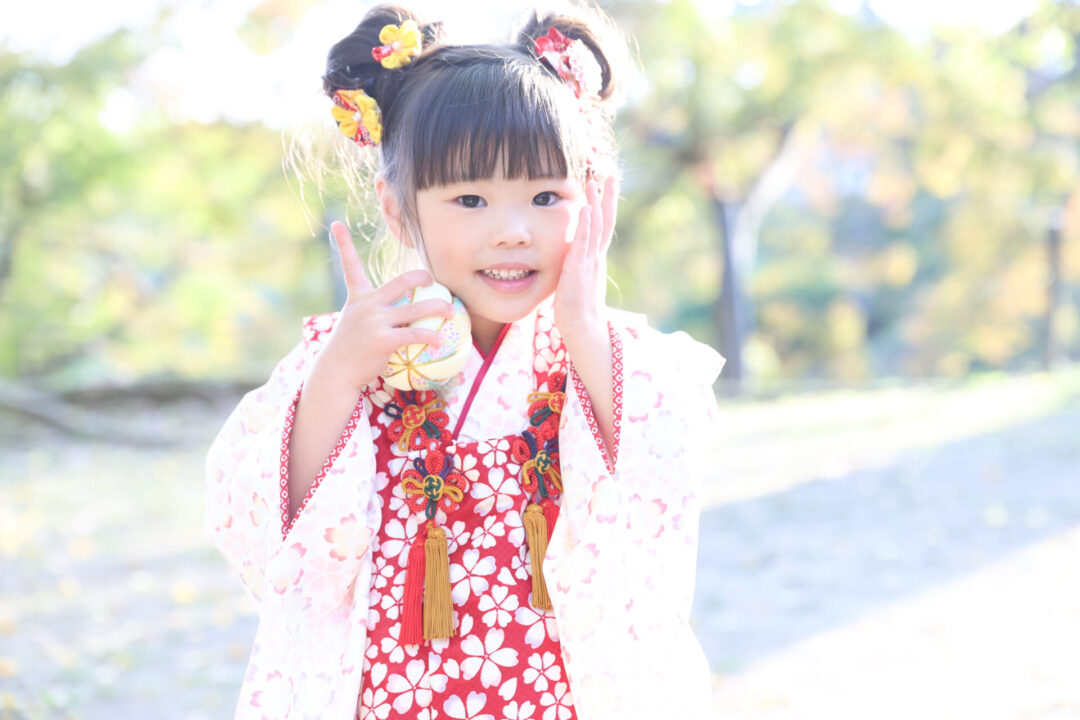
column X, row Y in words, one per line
column 460, row 624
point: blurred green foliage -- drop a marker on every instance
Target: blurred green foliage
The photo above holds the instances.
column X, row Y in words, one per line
column 881, row 205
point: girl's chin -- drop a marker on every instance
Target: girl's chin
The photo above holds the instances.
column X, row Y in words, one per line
column 489, row 318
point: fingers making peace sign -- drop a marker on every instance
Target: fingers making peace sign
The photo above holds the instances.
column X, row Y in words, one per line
column 370, row 328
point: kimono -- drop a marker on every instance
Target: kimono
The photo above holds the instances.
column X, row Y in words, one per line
column 620, row 561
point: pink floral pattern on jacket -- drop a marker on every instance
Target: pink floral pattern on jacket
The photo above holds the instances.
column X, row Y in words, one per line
column 620, row 564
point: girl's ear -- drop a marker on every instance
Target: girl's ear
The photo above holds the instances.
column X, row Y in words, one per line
column 390, row 209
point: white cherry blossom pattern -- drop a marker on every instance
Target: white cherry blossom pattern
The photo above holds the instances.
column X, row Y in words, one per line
column 376, row 704
column 501, row 492
column 518, row 711
column 515, row 530
column 457, row 535
column 494, row 452
column 539, row 626
column 487, row 657
column 433, row 679
column 470, row 576
column 542, row 669
column 558, row 704
column 519, row 563
column 397, row 503
column 498, row 607
column 390, row 602
column 487, row 535
column 382, row 573
column 396, row 536
column 465, row 463
column 375, row 699
column 472, row 708
column 408, row 688
column 392, row 648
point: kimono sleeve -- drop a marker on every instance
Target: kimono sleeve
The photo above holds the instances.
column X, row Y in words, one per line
column 669, row 431
column 625, row 558
column 247, row 462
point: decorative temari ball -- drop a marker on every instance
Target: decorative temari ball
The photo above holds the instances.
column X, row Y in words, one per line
column 422, row 367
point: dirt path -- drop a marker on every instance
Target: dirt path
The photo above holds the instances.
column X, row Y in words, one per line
column 905, row 553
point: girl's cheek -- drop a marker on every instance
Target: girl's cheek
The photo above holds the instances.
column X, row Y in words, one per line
column 570, row 222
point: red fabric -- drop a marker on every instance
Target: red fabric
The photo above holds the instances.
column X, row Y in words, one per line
column 505, row 659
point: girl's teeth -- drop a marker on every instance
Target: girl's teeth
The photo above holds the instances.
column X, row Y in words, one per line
column 505, row 274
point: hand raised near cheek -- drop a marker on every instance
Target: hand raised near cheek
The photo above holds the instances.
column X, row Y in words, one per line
column 370, row 327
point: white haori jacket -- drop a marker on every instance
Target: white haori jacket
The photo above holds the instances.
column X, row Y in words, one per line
column 620, row 565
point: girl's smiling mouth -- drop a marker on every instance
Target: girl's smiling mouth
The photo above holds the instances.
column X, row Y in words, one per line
column 508, row 279
column 503, row 274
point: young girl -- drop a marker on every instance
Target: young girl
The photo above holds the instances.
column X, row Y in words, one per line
column 521, row 541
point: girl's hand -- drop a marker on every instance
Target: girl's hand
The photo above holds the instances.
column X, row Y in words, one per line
column 580, row 311
column 370, row 328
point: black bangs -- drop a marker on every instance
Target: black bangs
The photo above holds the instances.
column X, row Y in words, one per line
column 496, row 112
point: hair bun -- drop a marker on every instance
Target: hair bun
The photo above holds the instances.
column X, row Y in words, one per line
column 350, row 64
column 598, row 33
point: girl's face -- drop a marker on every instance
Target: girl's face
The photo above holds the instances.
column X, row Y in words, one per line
column 499, row 244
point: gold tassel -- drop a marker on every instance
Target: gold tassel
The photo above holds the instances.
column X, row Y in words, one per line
column 536, row 535
column 438, row 607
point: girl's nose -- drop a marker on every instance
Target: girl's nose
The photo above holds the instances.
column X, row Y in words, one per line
column 512, row 231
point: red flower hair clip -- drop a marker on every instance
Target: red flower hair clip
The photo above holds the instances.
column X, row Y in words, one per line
column 572, row 60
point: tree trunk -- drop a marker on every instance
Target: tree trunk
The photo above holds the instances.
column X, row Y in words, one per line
column 1053, row 348
column 727, row 304
column 739, row 226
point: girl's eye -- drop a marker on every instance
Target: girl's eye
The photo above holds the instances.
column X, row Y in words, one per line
column 471, row 201
column 546, row 198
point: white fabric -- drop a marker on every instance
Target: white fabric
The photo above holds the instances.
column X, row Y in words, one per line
column 620, row 565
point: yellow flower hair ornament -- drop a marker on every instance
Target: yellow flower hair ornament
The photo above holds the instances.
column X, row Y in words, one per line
column 400, row 44
column 358, row 117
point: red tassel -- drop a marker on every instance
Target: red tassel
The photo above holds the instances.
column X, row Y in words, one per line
column 412, row 613
column 551, row 514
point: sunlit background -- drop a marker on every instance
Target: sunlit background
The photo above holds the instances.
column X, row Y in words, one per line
column 870, row 207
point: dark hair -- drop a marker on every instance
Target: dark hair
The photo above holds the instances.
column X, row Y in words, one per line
column 463, row 112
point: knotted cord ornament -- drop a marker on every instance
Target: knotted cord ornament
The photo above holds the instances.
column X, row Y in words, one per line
column 416, row 420
column 537, row 449
column 430, row 484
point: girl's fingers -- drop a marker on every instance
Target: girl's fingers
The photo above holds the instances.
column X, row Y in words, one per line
column 580, row 246
column 414, row 336
column 609, row 209
column 405, row 314
column 596, row 226
column 397, row 286
column 356, row 280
